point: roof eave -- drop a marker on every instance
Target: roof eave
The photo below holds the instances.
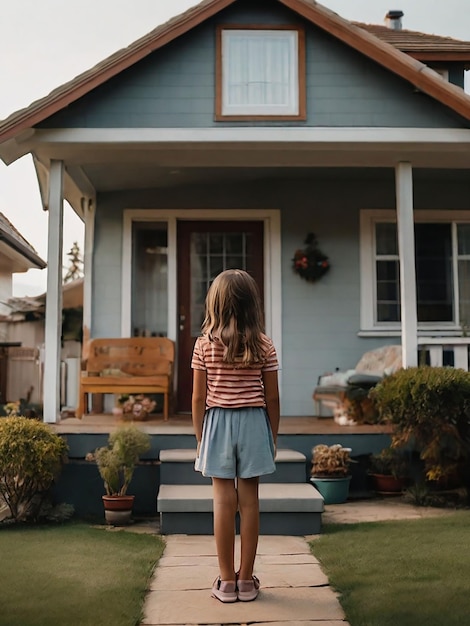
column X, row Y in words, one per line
column 36, row 112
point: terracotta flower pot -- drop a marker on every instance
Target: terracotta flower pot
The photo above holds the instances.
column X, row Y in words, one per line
column 386, row 484
column 118, row 509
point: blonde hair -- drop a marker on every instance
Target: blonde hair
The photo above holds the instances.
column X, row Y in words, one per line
column 234, row 316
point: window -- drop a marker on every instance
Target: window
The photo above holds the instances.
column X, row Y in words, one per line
column 442, row 256
column 260, row 73
column 149, row 312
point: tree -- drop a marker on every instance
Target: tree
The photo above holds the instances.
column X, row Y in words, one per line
column 75, row 269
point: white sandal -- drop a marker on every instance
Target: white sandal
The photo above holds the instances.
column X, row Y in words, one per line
column 224, row 590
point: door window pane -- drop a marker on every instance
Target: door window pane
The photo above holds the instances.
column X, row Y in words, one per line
column 149, row 308
column 212, row 253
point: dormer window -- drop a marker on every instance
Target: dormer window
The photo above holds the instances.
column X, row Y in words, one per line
column 260, row 73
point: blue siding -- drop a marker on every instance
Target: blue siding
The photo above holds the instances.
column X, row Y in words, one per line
column 175, row 86
column 320, row 321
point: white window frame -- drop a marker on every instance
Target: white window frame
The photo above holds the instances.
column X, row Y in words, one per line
column 292, row 108
column 368, row 283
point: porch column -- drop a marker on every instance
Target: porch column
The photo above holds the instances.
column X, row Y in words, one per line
column 406, row 250
column 51, row 384
column 88, row 207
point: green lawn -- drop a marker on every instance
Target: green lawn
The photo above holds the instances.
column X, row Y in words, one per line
column 406, row 573
column 74, row 575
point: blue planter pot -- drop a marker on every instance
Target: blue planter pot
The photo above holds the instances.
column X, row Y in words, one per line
column 333, row 490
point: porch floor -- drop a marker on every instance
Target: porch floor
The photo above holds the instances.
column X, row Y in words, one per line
column 181, row 425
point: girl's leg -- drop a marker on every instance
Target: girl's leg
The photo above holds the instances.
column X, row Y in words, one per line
column 248, row 505
column 225, row 508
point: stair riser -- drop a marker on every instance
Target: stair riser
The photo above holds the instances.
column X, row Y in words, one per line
column 296, row 523
column 184, row 474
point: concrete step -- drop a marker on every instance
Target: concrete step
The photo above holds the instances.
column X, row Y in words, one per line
column 285, row 509
column 177, row 468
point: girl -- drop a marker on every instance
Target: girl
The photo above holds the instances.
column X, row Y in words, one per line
column 235, row 411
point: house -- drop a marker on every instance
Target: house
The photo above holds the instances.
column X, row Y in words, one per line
column 17, row 361
column 227, row 135
column 24, row 325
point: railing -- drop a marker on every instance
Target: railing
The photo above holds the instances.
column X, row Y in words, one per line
column 439, row 351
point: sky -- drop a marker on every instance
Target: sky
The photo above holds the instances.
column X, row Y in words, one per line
column 46, row 43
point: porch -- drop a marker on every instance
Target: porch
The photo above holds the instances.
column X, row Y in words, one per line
column 80, row 484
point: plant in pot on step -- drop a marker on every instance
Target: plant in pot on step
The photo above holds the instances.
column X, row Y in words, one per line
column 330, row 473
column 389, row 470
column 116, row 464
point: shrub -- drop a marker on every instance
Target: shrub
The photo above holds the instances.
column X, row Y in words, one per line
column 429, row 408
column 390, row 462
column 31, row 457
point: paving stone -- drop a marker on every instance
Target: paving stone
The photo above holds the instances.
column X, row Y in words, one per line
column 292, row 605
column 286, row 558
column 297, row 575
column 198, row 576
column 184, row 577
column 328, row 622
column 188, row 545
column 273, row 544
column 177, row 561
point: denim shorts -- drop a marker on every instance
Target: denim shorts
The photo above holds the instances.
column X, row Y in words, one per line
column 236, row 443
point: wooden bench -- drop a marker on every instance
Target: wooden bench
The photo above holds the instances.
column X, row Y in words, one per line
column 128, row 365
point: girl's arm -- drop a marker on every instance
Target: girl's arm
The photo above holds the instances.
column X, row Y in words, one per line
column 271, row 394
column 198, row 402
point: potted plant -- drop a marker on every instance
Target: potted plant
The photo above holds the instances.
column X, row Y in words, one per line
column 389, row 470
column 116, row 464
column 330, row 473
column 135, row 407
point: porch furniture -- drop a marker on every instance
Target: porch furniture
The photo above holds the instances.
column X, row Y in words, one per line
column 335, row 390
column 128, row 365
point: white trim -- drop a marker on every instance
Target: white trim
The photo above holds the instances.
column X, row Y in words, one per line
column 368, row 217
column 272, row 261
column 343, row 135
column 51, row 381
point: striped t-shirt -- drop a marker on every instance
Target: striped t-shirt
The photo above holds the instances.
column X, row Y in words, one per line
column 230, row 387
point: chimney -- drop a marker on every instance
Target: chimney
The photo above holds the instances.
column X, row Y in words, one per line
column 393, row 20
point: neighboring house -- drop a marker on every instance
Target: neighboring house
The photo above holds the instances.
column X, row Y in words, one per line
column 24, row 325
column 17, row 361
column 223, row 138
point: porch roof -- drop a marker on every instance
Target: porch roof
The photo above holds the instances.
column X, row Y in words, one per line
column 367, row 43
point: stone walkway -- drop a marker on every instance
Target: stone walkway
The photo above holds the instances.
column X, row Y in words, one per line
column 294, row 589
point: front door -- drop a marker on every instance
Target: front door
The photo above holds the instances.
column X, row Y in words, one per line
column 204, row 250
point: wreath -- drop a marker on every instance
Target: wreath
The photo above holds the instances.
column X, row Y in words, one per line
column 310, row 263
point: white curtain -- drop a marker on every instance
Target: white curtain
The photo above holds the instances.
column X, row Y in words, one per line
column 260, row 71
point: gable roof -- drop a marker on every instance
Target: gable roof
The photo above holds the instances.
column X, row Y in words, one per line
column 380, row 51
column 15, row 240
